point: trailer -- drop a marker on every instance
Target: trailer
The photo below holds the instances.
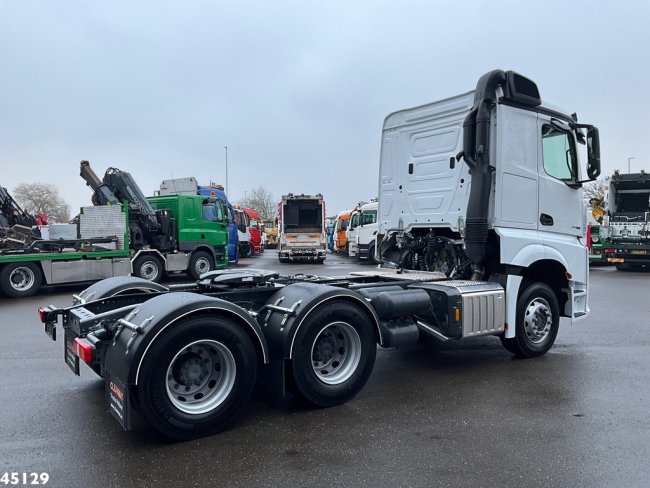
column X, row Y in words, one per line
column 189, row 356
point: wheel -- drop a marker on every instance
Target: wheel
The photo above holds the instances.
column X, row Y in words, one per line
column 371, row 254
column 20, row 279
column 334, row 354
column 197, row 377
column 200, row 262
column 245, row 250
column 149, row 267
column 538, row 321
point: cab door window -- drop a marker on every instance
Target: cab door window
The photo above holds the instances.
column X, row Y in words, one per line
column 558, row 149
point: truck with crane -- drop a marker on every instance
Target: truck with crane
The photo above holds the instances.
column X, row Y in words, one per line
column 124, row 233
column 188, row 357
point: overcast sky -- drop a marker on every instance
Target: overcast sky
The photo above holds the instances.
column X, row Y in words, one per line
column 297, row 90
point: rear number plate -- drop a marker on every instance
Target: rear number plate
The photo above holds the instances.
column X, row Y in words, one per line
column 70, row 355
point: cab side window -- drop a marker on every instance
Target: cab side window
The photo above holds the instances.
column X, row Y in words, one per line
column 212, row 212
column 558, row 149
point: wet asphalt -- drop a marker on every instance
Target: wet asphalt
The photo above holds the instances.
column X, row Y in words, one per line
column 459, row 414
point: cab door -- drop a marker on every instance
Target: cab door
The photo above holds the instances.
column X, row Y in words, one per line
column 560, row 200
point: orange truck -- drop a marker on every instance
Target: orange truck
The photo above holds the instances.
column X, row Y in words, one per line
column 340, row 231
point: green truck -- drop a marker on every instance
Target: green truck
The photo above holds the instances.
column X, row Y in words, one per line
column 144, row 237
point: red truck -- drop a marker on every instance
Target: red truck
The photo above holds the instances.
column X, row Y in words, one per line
column 255, row 229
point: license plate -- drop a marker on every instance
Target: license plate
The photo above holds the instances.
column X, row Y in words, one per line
column 70, row 354
column 639, row 251
column 50, row 330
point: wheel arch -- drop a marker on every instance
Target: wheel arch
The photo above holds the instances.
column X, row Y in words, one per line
column 256, row 336
column 551, row 272
column 363, row 305
column 161, row 313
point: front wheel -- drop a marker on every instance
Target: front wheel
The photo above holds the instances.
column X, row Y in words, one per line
column 245, row 250
column 196, row 378
column 200, row 262
column 334, row 354
column 20, row 279
column 538, row 322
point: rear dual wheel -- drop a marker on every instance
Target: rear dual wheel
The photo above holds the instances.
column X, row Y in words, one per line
column 334, row 354
column 20, row 279
column 197, row 377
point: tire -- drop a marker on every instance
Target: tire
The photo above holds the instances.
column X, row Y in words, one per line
column 245, row 250
column 334, row 354
column 20, row 279
column 371, row 254
column 200, row 262
column 215, row 360
column 537, row 305
column 149, row 267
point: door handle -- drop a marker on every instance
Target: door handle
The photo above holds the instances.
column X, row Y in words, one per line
column 545, row 219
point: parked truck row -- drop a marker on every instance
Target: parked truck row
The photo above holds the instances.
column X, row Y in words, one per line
column 185, row 227
column 481, row 231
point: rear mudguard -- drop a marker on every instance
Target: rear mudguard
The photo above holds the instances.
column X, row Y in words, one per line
column 117, row 285
column 154, row 317
column 300, row 300
column 280, row 327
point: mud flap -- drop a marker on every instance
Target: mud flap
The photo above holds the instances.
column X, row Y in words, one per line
column 117, row 400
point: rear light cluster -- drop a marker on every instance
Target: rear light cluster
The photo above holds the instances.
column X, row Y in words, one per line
column 84, row 350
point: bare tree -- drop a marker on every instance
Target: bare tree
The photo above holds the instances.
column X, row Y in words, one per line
column 595, row 189
column 261, row 200
column 36, row 198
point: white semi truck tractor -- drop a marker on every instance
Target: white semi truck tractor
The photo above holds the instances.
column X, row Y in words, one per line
column 481, row 232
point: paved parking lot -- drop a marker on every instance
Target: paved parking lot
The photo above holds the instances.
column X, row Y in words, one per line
column 460, row 414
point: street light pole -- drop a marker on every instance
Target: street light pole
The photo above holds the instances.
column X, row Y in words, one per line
column 226, row 148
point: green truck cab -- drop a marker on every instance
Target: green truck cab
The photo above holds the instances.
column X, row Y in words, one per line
column 200, row 226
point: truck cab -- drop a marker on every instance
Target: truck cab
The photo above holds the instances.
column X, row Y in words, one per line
column 366, row 231
column 340, row 229
column 520, row 221
column 201, row 226
column 243, row 233
column 255, row 229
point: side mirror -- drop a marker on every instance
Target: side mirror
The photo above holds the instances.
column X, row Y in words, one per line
column 593, row 153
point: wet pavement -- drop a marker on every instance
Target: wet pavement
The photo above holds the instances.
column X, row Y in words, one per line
column 459, row 414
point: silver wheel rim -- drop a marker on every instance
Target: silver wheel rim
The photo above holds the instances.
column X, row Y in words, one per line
column 202, row 265
column 149, row 270
column 336, row 353
column 201, row 377
column 22, row 279
column 538, row 320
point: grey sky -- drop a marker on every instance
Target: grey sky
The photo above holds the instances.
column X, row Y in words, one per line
column 296, row 90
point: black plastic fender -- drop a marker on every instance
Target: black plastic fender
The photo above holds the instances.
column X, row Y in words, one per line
column 280, row 327
column 125, row 357
column 116, row 286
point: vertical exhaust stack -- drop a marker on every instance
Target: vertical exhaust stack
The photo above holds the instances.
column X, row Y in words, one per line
column 476, row 152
